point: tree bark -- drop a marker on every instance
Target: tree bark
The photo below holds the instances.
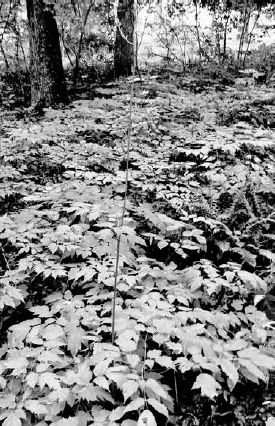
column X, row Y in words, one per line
column 124, row 48
column 4, row 56
column 197, row 25
column 48, row 87
column 80, row 44
column 250, row 37
column 224, row 53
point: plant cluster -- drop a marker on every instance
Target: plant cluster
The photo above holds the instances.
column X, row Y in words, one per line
column 191, row 339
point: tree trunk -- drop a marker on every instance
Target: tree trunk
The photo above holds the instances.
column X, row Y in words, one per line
column 80, row 45
column 250, row 38
column 124, row 48
column 4, row 56
column 246, row 20
column 197, row 25
column 224, row 53
column 48, row 86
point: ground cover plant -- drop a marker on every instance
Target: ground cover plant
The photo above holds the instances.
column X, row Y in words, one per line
column 194, row 317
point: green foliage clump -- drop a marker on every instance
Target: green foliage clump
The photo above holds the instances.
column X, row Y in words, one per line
column 195, row 259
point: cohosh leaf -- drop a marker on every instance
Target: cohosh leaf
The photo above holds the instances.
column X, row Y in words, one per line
column 156, row 387
column 147, row 418
column 158, row 406
column 231, row 372
column 129, row 388
column 12, row 420
column 35, row 407
column 134, row 405
column 252, row 369
column 208, row 385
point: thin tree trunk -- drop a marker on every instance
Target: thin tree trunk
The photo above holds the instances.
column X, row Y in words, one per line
column 80, row 45
column 217, row 35
column 250, row 37
column 247, row 14
column 4, row 57
column 22, row 49
column 225, row 37
column 66, row 48
column 48, row 86
column 123, row 53
column 17, row 52
column 198, row 32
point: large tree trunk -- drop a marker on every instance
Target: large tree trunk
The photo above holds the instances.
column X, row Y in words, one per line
column 48, row 86
column 124, row 48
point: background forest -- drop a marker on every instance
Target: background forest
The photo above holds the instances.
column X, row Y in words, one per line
column 136, row 213
column 217, row 34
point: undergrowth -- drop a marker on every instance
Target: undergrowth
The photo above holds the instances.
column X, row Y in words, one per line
column 193, row 329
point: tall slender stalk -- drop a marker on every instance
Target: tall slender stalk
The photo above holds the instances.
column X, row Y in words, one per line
column 128, row 144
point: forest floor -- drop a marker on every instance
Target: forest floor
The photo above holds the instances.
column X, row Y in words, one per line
column 199, row 211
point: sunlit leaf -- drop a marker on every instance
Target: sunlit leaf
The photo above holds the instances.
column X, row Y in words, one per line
column 160, row 408
column 129, row 388
column 147, row 417
column 208, row 385
column 12, row 420
column 35, row 407
column 156, row 387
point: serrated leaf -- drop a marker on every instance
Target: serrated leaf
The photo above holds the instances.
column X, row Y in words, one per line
column 41, row 311
column 235, row 345
column 49, row 379
column 156, row 388
column 127, row 341
column 12, row 420
column 18, row 364
column 162, row 244
column 146, row 418
column 264, row 361
column 84, row 374
column 102, row 382
column 257, row 357
column 116, row 414
column 43, row 366
column 49, row 356
column 89, row 392
column 129, row 388
column 3, row 382
column 129, row 423
column 164, row 325
column 253, row 280
column 83, row 418
column 32, row 379
column 15, row 293
column 268, row 254
column 208, row 385
column 134, row 405
column 59, row 395
column 53, row 332
column 70, row 421
column 99, row 414
column 8, row 401
column 35, row 407
column 133, row 359
column 101, row 367
column 160, row 408
column 231, row 372
column 252, row 369
column 165, row 361
column 75, row 336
